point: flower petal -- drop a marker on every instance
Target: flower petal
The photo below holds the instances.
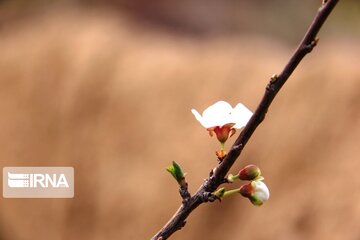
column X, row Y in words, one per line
column 261, row 190
column 217, row 114
column 240, row 115
column 221, row 113
column 198, row 117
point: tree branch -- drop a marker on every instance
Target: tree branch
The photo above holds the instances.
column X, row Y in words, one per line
column 204, row 193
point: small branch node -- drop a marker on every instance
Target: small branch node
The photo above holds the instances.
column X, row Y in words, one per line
column 274, row 78
column 181, row 225
column 270, row 87
column 210, row 184
column 224, row 180
column 315, row 41
column 209, row 197
column 309, row 47
column 185, row 195
column 211, row 173
column 237, row 148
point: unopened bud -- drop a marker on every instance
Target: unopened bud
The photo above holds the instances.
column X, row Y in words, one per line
column 246, row 190
column 256, row 191
column 250, row 172
column 177, row 173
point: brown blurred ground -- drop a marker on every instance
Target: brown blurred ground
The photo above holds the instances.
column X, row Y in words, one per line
column 95, row 89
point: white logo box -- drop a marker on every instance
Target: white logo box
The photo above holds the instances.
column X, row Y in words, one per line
column 38, row 182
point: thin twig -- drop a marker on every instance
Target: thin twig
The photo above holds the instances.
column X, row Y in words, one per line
column 204, row 193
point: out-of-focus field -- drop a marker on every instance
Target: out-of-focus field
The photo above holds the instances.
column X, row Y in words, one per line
column 96, row 91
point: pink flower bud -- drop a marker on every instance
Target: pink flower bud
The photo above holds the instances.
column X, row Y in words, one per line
column 246, row 190
column 249, row 173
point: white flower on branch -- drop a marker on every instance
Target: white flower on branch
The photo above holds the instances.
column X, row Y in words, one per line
column 221, row 119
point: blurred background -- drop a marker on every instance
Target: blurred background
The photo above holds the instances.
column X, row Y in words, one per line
column 107, row 87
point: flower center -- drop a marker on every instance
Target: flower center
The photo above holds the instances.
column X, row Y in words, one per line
column 223, row 133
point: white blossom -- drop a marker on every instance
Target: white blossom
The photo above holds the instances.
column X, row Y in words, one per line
column 223, row 120
column 221, row 113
